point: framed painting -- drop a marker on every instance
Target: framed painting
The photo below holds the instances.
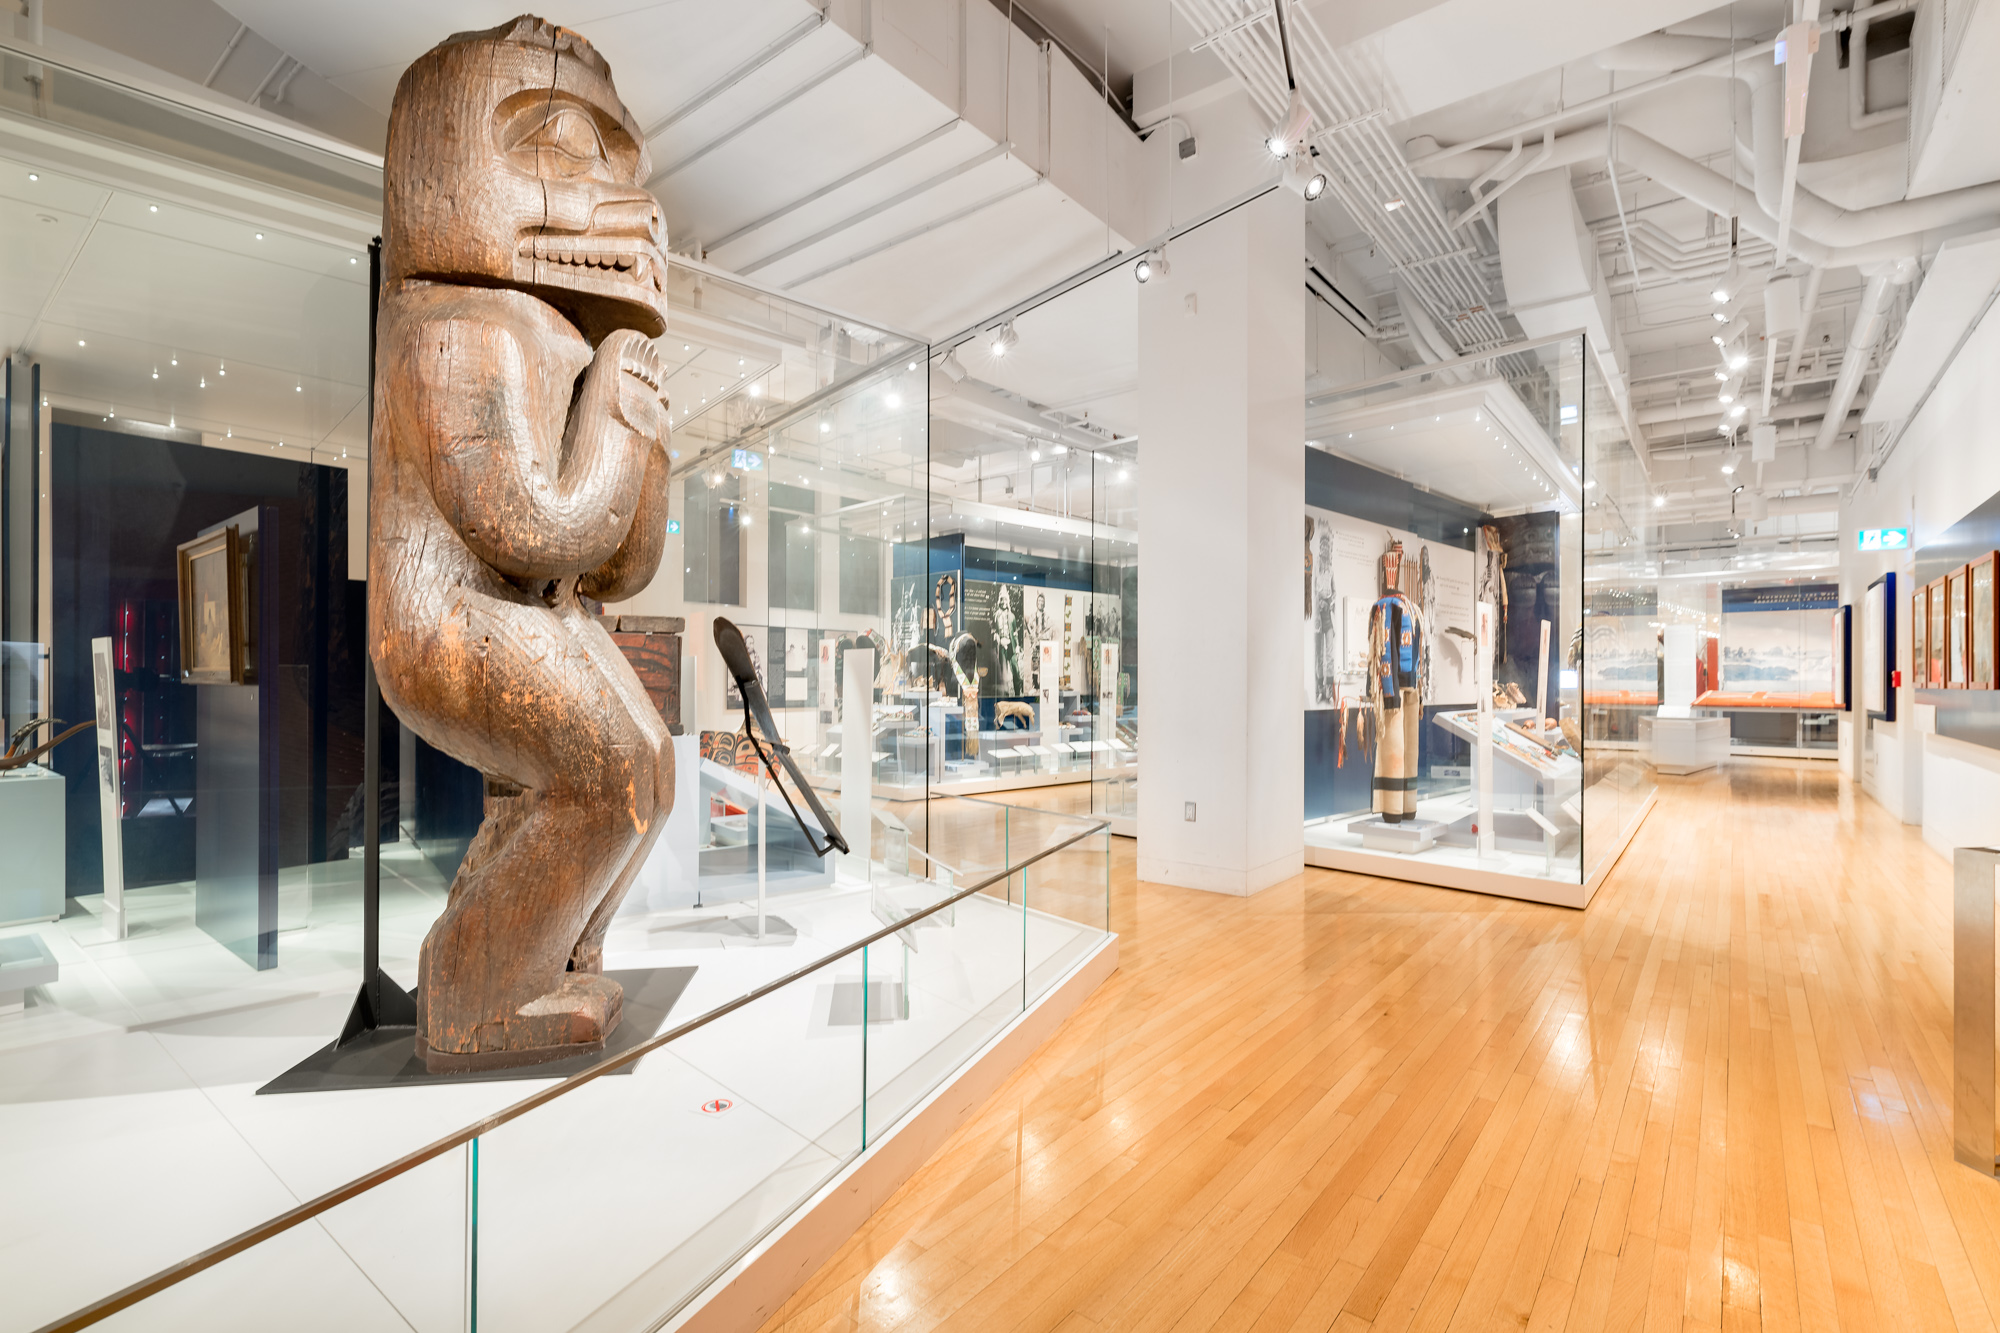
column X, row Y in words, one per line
column 1920, row 639
column 1983, row 646
column 1955, row 611
column 211, row 608
column 1934, row 676
column 1843, row 648
column 1877, row 666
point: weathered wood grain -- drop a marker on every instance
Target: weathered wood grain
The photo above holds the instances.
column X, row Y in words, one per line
column 520, row 461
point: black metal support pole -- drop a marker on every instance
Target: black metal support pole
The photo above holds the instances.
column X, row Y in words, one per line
column 371, row 706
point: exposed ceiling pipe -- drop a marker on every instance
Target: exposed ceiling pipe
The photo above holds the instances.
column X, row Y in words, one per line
column 1690, row 409
column 1808, row 307
column 1861, row 339
column 1429, row 160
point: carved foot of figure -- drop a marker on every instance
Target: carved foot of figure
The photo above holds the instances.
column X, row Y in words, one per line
column 573, row 1019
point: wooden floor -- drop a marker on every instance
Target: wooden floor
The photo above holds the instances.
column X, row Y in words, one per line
column 1719, row 1098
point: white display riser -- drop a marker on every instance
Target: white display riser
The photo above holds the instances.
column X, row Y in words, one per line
column 1504, row 874
column 1684, row 745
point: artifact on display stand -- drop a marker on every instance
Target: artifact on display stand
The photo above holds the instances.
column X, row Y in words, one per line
column 520, row 464
column 1396, row 644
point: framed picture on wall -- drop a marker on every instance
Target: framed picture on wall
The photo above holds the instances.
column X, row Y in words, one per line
column 1955, row 609
column 1878, row 654
column 1934, row 676
column 212, row 610
column 1920, row 638
column 1843, row 646
column 1983, row 649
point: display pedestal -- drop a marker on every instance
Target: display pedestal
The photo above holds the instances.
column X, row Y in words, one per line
column 24, row 961
column 385, row 1055
column 1689, row 745
column 31, row 828
column 1407, row 838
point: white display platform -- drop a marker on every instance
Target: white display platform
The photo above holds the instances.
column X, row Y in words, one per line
column 1528, row 876
column 31, row 829
column 131, row 1133
column 1689, row 745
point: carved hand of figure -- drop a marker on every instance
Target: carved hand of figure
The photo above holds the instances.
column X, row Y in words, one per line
column 640, row 406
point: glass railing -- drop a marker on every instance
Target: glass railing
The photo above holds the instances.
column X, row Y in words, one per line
column 614, row 1197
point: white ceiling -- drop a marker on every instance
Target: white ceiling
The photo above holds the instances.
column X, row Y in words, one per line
column 110, row 289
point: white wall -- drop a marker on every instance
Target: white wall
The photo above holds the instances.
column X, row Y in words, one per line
column 1946, row 464
column 1221, row 364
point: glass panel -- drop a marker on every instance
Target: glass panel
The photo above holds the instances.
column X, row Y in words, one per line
column 618, row 1201
column 1442, row 589
column 398, row 1257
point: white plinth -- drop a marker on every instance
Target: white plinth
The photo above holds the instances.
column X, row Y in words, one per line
column 1406, row 838
column 31, row 829
column 1689, row 745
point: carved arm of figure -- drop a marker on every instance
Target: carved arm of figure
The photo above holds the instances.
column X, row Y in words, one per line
column 538, row 488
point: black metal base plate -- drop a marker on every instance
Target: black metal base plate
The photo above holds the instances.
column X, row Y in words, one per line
column 385, row 1057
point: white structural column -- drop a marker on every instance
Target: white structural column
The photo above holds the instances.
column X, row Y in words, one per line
column 1222, row 507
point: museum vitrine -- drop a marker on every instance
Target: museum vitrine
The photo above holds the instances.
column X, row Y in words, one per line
column 1457, row 526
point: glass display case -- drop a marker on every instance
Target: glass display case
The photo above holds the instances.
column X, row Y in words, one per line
column 1451, row 518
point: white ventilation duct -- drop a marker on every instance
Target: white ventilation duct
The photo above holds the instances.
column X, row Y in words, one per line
column 1548, row 262
column 1861, row 340
column 1823, row 234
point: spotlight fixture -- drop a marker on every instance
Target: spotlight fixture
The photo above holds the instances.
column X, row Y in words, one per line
column 1738, row 360
column 1391, row 205
column 1003, row 339
column 1728, row 469
column 1722, row 374
column 1290, row 133
column 1725, row 398
column 1726, row 285
column 1659, row 501
column 953, row 371
column 1736, row 411
column 1302, row 175
column 1152, row 266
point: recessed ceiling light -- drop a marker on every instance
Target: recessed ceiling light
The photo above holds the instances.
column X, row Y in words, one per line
column 152, row 208
column 260, row 236
column 79, row 342
column 33, row 177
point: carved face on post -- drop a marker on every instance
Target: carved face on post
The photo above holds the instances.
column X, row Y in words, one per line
column 511, row 162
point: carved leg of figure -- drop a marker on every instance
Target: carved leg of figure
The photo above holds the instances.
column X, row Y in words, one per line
column 570, row 725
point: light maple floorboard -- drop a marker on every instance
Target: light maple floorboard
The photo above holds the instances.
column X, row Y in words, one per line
column 1718, row 1098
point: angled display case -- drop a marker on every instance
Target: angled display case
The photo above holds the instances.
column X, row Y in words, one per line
column 1454, row 516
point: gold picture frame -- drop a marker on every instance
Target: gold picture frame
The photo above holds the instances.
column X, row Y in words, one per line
column 1920, row 639
column 1957, row 651
column 1983, row 668
column 213, row 647
column 1934, row 671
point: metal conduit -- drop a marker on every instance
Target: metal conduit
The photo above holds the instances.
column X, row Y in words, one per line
column 1365, row 171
